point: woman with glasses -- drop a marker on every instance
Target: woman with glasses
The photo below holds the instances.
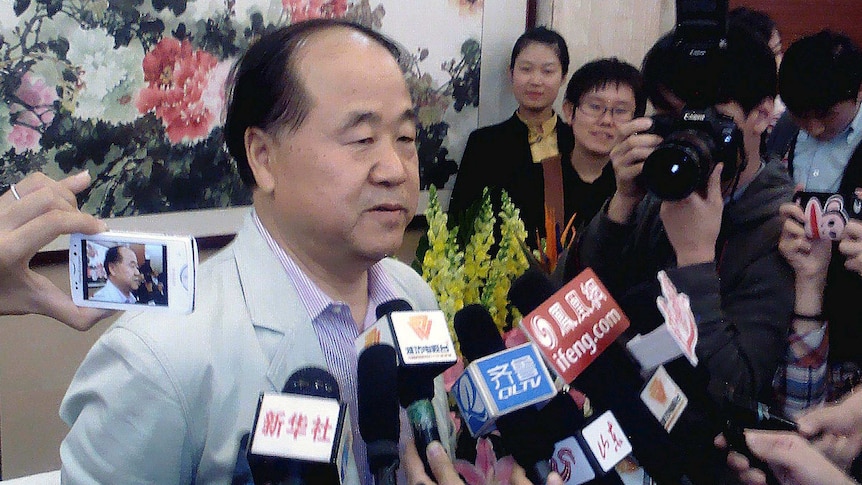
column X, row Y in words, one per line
column 521, row 155
column 601, row 94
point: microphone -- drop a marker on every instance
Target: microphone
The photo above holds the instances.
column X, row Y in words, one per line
column 424, row 349
column 301, row 436
column 497, row 381
column 522, row 430
column 575, row 329
column 379, row 411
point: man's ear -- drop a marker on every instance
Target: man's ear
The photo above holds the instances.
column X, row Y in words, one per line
column 568, row 111
column 259, row 149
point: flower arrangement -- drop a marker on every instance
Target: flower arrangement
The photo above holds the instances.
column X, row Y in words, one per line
column 461, row 275
column 488, row 470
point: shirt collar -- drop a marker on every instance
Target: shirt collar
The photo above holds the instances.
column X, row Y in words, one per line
column 315, row 300
column 855, row 128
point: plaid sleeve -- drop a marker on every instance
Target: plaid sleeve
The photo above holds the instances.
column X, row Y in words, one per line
column 802, row 381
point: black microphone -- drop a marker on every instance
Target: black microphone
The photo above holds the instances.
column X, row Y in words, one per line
column 301, row 436
column 415, row 394
column 311, row 381
column 379, row 411
column 522, row 431
column 396, row 305
column 424, row 349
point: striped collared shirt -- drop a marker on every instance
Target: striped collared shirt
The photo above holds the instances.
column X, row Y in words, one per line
column 336, row 331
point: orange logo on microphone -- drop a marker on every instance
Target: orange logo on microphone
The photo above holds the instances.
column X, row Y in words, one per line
column 373, row 337
column 420, row 324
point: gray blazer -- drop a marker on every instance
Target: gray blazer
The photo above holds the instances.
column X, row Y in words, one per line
column 164, row 398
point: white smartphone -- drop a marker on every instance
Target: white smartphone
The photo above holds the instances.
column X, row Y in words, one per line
column 128, row 270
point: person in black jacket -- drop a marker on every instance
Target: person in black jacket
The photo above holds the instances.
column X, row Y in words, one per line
column 509, row 156
column 718, row 246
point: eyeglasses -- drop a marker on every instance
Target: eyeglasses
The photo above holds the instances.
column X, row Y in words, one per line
column 596, row 110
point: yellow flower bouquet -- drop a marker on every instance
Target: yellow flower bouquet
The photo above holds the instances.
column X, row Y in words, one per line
column 472, row 272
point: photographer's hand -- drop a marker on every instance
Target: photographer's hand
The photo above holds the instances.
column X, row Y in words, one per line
column 46, row 209
column 627, row 158
column 692, row 224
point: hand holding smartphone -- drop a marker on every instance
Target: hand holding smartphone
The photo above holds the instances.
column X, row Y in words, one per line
column 126, row 270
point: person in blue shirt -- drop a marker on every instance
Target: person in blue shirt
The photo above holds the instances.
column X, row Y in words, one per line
column 821, row 82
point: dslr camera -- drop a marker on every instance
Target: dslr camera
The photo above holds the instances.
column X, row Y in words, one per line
column 695, row 141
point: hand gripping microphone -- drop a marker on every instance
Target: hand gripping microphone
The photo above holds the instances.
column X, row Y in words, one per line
column 424, row 349
column 379, row 410
column 301, row 436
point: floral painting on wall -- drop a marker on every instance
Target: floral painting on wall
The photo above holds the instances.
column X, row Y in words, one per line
column 133, row 90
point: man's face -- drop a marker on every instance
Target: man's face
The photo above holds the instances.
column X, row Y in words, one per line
column 594, row 121
column 536, row 77
column 752, row 125
column 825, row 126
column 346, row 182
column 124, row 273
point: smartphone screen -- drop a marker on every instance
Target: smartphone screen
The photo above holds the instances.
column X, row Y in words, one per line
column 125, row 273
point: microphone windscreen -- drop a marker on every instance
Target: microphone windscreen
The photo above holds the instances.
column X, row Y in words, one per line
column 378, row 400
column 562, row 417
column 387, row 307
column 313, row 381
column 411, row 390
column 477, row 333
column 530, row 290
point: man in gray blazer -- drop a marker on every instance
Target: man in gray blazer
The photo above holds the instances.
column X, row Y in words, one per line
column 322, row 128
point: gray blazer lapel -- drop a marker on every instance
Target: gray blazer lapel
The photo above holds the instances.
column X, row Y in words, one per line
column 281, row 322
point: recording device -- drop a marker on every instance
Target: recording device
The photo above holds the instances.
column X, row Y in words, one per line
column 133, row 271
column 379, row 410
column 497, row 381
column 699, row 45
column 742, row 413
column 699, row 138
column 693, row 144
column 424, row 349
column 301, row 436
column 746, row 413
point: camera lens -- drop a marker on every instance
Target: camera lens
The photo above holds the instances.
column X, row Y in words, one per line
column 677, row 167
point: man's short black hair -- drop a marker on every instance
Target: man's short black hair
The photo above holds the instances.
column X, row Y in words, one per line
column 748, row 71
column 542, row 35
column 818, row 72
column 758, row 23
column 600, row 73
column 112, row 256
column 265, row 89
column 655, row 73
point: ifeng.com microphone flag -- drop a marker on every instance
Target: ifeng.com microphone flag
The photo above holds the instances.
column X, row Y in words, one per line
column 301, row 438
